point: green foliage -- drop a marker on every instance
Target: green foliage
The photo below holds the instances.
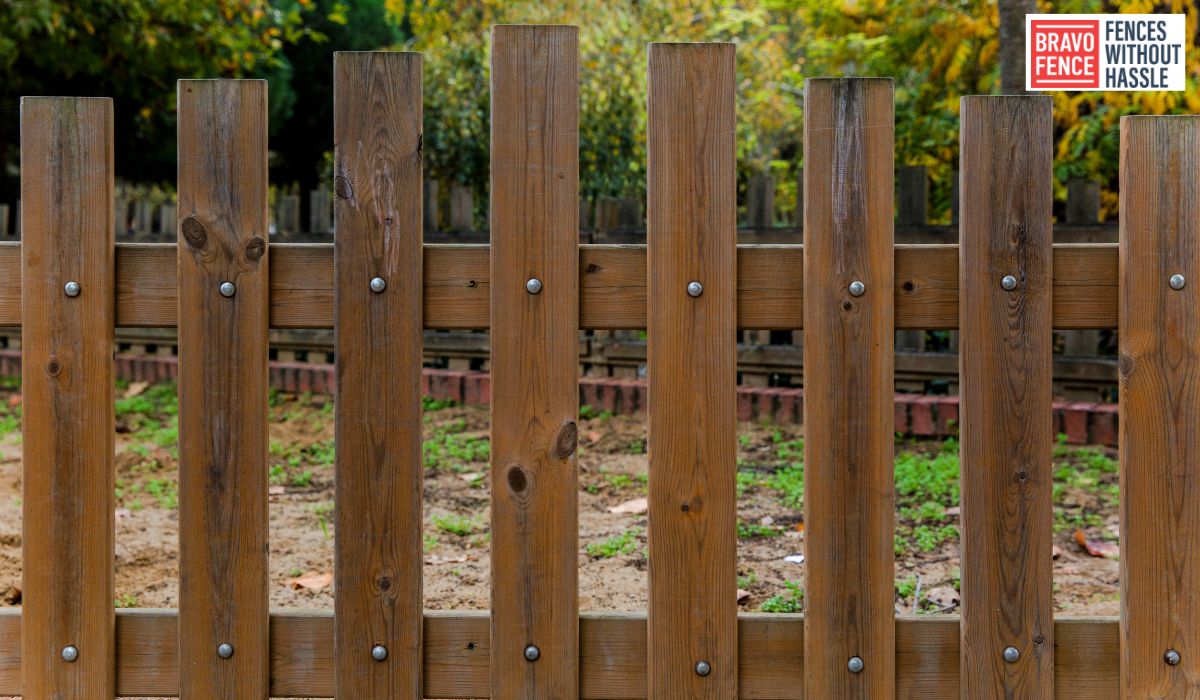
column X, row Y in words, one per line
column 623, row 543
column 449, row 448
column 790, row 601
column 747, row 531
column 455, row 524
column 789, row 482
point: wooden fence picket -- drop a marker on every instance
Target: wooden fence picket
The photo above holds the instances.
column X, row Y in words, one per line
column 1006, row 351
column 223, row 608
column 691, row 323
column 1160, row 403
column 378, row 290
column 534, row 360
column 67, row 636
column 849, row 635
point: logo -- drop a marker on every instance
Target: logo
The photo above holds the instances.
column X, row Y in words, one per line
column 1104, row 52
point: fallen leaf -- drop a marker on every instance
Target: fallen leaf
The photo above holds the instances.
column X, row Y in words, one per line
column 12, row 595
column 742, row 596
column 135, row 388
column 635, row 507
column 799, row 527
column 1105, row 550
column 14, row 400
column 276, row 490
column 953, row 510
column 313, row 581
column 766, row 520
column 470, row 476
column 942, row 596
column 593, row 436
column 794, row 558
column 1055, row 552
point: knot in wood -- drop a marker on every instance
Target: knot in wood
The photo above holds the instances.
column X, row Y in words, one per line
column 566, row 440
column 194, row 232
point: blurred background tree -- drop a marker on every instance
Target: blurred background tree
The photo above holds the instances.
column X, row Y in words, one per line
column 134, row 50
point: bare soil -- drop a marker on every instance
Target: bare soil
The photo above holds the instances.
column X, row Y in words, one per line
column 612, row 553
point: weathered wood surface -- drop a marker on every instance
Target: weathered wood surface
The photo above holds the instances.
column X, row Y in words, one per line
column 67, row 385
column 848, row 403
column 1005, row 358
column 612, row 286
column 379, row 471
column 534, row 364
column 612, row 655
column 1160, row 406
column 691, row 213
column 223, row 388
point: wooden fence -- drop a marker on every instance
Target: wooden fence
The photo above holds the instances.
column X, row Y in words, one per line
column 849, row 286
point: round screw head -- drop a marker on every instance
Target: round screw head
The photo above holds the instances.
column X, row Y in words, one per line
column 225, row 650
column 70, row 653
column 227, row 289
column 1008, row 283
column 379, row 652
column 857, row 289
column 855, row 664
column 533, row 286
column 695, row 289
column 1011, row 654
column 71, row 289
column 378, row 284
column 703, row 668
column 1177, row 281
column 1171, row 657
column 532, row 653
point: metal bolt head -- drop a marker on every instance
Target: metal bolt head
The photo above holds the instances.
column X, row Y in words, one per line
column 533, row 286
column 532, row 653
column 695, row 289
column 1177, row 281
column 1171, row 657
column 379, row 652
column 71, row 288
column 703, row 668
column 857, row 289
column 227, row 289
column 378, row 284
column 225, row 650
column 1011, row 654
column 1008, row 283
column 70, row 653
column 855, row 664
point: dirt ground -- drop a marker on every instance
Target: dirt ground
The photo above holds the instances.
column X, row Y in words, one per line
column 612, row 554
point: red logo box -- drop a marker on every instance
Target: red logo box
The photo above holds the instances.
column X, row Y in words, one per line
column 1064, row 54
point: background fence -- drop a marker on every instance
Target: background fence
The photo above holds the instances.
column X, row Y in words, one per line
column 1005, row 286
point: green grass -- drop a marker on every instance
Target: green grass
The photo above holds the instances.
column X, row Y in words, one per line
column 455, row 524
column 616, row 545
column 746, row 531
column 790, row 601
column 449, row 448
column 323, row 512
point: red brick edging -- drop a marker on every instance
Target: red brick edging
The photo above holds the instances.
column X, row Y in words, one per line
column 915, row 414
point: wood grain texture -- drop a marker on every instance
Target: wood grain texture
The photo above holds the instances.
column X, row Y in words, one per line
column 223, row 388
column 612, row 286
column 1006, row 351
column 377, row 161
column 534, row 361
column 612, row 655
column 67, row 384
column 1159, row 381
column 848, row 404
column 691, row 222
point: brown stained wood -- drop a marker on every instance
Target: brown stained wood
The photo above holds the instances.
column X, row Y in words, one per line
column 534, row 361
column 377, row 587
column 612, row 287
column 67, row 384
column 1006, row 351
column 1160, row 403
column 612, row 655
column 848, row 373
column 223, row 388
column 691, row 219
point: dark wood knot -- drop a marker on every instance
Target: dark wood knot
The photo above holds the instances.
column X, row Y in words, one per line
column 255, row 248
column 341, row 185
column 194, row 232
column 567, row 440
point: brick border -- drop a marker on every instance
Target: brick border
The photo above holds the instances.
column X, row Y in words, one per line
column 916, row 414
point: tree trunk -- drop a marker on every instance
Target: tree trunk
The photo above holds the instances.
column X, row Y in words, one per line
column 1012, row 44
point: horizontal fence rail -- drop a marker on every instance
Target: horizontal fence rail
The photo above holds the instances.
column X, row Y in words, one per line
column 612, row 286
column 69, row 284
